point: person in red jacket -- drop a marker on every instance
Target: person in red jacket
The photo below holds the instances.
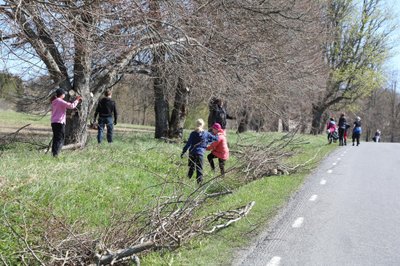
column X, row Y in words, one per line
column 219, row 149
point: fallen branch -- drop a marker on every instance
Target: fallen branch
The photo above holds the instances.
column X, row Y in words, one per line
column 74, row 146
column 217, row 194
column 6, row 139
column 240, row 214
column 128, row 252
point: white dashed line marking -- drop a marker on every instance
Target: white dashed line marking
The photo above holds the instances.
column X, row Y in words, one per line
column 338, row 159
column 323, row 182
column 275, row 261
column 334, row 163
column 313, row 198
column 298, row 223
column 330, row 171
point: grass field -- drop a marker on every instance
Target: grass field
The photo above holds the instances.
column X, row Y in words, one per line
column 90, row 187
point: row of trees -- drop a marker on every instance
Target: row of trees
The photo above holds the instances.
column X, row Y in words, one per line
column 273, row 60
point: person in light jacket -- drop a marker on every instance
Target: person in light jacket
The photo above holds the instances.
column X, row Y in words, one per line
column 219, row 149
column 58, row 119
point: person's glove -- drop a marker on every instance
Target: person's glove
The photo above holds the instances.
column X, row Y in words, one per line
column 182, row 155
column 115, row 122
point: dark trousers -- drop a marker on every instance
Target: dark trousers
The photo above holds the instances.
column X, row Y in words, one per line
column 341, row 136
column 356, row 136
column 105, row 121
column 195, row 163
column 221, row 163
column 58, row 137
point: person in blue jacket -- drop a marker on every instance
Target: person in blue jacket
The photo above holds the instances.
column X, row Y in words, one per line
column 357, row 130
column 197, row 143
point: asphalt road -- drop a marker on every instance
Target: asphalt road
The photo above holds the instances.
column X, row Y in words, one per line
column 347, row 213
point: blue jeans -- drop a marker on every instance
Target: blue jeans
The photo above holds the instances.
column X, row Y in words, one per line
column 105, row 121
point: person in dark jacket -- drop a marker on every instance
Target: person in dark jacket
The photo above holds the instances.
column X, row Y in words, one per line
column 197, row 144
column 106, row 109
column 342, row 128
column 218, row 113
column 357, row 130
column 377, row 136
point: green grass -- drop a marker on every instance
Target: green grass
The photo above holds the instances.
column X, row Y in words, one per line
column 269, row 193
column 11, row 118
column 95, row 184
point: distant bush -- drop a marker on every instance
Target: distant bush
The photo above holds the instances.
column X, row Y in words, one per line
column 11, row 87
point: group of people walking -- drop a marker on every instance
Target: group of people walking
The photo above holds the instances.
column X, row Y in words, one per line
column 339, row 131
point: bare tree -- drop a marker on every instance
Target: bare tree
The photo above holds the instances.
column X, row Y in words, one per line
column 354, row 52
column 383, row 111
column 86, row 47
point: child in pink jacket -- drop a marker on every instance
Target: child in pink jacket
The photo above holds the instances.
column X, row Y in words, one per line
column 219, row 149
column 58, row 118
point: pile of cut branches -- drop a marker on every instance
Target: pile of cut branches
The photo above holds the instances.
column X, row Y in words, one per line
column 166, row 223
column 260, row 157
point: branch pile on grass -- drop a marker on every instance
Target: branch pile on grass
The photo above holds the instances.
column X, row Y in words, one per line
column 165, row 224
column 260, row 157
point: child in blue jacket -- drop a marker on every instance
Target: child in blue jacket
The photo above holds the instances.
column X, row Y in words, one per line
column 197, row 143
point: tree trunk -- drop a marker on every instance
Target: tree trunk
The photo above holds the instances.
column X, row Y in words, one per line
column 244, row 121
column 144, row 114
column 161, row 106
column 76, row 122
column 179, row 113
column 317, row 112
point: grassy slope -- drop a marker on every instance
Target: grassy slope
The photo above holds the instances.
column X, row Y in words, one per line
column 269, row 194
column 92, row 184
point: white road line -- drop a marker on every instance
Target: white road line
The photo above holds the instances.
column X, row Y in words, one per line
column 323, row 182
column 275, row 261
column 299, row 221
column 330, row 171
column 334, row 164
column 313, row 198
column 338, row 159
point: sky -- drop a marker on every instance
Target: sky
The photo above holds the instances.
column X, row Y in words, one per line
column 394, row 63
